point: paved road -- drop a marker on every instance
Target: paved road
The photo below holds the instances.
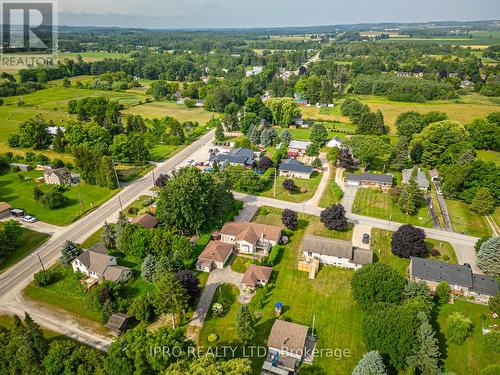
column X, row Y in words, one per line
column 18, row 276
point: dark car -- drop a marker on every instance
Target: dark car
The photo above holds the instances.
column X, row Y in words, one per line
column 366, row 239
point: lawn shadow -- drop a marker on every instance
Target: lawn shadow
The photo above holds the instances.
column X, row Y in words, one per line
column 312, row 370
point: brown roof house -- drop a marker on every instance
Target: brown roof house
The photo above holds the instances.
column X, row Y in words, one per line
column 147, row 221
column 59, row 176
column 256, row 276
column 288, row 346
column 215, row 255
column 334, row 252
column 117, row 324
column 5, row 210
column 251, row 238
column 95, row 263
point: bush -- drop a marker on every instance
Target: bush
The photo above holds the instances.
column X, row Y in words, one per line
column 492, row 341
column 217, row 310
column 132, row 210
column 458, row 327
column 53, row 198
column 44, row 277
column 443, row 291
column 274, row 255
column 212, row 337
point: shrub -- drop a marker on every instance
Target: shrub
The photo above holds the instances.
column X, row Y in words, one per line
column 212, row 337
column 217, row 310
column 435, row 253
column 443, row 291
column 44, row 277
column 492, row 341
column 132, row 210
column 458, row 327
column 274, row 256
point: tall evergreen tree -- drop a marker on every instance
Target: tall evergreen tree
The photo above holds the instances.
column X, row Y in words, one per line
column 488, row 258
column 371, row 364
column 69, row 251
column 245, row 325
column 426, row 357
column 148, row 268
column 108, row 236
column 411, row 196
column 169, row 295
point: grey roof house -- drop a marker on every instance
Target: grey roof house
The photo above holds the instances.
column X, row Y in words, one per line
column 459, row 276
column 421, row 178
column 335, row 252
column 238, row 156
column 383, row 181
column 294, row 168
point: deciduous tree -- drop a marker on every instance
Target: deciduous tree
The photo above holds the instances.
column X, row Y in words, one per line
column 334, row 218
column 408, row 241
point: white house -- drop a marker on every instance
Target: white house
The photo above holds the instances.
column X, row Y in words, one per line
column 335, row 252
column 96, row 264
column 292, row 168
column 335, row 142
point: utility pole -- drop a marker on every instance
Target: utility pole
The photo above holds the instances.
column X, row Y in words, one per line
column 40, row 260
column 389, row 225
column 275, row 177
column 118, row 184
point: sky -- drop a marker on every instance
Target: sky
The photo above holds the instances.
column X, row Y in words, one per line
column 268, row 13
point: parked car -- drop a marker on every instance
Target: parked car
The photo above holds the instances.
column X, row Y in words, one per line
column 366, row 239
column 28, row 219
column 190, row 161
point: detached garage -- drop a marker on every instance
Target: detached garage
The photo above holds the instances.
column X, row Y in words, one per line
column 5, row 210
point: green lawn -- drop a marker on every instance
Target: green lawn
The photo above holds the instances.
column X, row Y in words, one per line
column 333, row 193
column 93, row 239
column 240, row 264
column 130, row 172
column 30, row 241
column 472, row 356
column 338, row 318
column 66, row 293
column 317, row 228
column 92, row 56
column 374, row 203
column 489, row 156
column 139, row 204
column 464, row 220
column 19, row 194
column 179, row 112
column 380, row 245
column 310, row 186
column 334, row 129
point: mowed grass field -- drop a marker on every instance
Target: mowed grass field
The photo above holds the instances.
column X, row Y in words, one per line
column 328, row 297
column 471, row 356
column 30, row 241
column 179, row 112
column 309, row 185
column 17, row 190
column 380, row 245
column 463, row 110
column 374, row 203
column 464, row 220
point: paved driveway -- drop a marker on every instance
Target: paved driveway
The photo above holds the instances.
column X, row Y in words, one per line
column 217, row 278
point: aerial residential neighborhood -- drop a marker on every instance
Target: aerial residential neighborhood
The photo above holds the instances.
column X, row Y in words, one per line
column 224, row 189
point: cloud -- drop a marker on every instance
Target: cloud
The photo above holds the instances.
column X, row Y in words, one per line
column 266, row 13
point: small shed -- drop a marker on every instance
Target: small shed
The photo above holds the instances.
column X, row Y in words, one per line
column 117, row 324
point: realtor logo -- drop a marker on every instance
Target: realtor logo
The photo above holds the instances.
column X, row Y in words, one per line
column 28, row 33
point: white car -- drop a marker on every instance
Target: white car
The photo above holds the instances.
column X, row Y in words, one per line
column 29, row 219
column 190, row 161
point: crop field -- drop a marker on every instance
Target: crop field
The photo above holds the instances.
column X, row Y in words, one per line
column 478, row 38
column 92, row 56
column 51, row 103
column 163, row 109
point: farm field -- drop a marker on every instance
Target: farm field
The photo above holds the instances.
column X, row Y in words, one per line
column 464, row 220
column 163, row 109
column 51, row 103
column 30, row 241
column 92, row 56
column 19, row 194
column 370, row 202
column 338, row 318
column 463, row 110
